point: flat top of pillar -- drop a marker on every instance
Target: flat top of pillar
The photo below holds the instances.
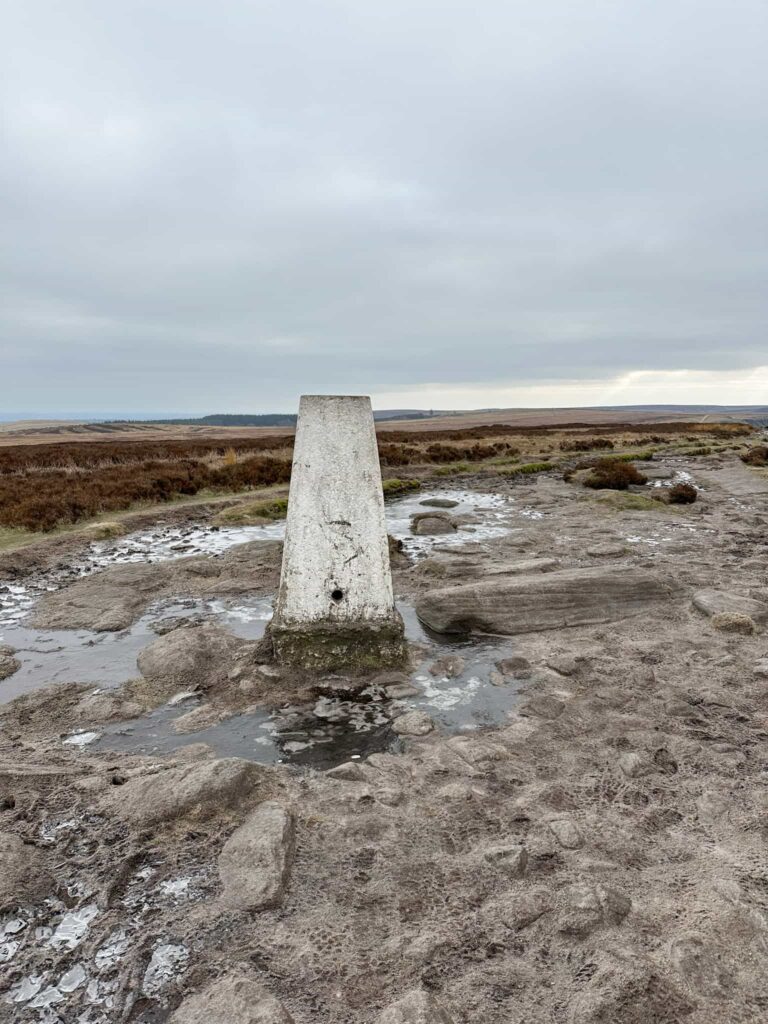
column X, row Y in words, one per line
column 346, row 398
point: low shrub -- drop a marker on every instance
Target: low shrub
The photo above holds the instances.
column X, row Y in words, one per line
column 757, row 456
column 586, row 444
column 615, row 475
column 682, row 494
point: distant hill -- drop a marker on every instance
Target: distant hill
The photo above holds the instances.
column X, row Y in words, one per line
column 274, row 419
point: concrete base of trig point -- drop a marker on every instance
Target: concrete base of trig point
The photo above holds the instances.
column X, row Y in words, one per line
column 335, row 608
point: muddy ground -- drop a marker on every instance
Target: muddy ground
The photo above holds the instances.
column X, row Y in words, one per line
column 595, row 854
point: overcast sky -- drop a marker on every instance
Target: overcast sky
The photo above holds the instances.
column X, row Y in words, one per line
column 216, row 206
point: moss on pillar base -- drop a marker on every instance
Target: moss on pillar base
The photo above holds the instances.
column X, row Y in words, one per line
column 325, row 647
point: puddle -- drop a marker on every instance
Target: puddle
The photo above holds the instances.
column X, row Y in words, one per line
column 322, row 734
column 108, row 659
column 329, row 730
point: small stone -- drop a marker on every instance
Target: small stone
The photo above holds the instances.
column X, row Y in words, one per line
column 634, row 765
column 432, row 523
column 606, row 551
column 390, row 796
column 398, row 691
column 542, row 707
column 496, row 678
column 256, row 860
column 519, row 911
column 451, row 666
column 198, row 790
column 587, row 907
column 199, row 718
column 414, row 723
column 566, row 832
column 416, row 1007
column 761, row 669
column 511, row 859
column 233, row 999
column 563, row 664
column 514, row 666
column 720, row 602
column 439, row 502
column 349, row 771
column 8, row 663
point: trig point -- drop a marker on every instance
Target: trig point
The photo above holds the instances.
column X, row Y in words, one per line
column 335, row 607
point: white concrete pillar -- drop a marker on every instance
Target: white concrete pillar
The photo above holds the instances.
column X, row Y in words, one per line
column 335, row 607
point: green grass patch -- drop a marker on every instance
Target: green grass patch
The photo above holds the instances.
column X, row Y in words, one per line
column 395, row 486
column 625, row 501
column 253, row 513
column 526, row 468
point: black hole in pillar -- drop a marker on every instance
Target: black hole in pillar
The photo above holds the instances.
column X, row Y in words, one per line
column 337, row 595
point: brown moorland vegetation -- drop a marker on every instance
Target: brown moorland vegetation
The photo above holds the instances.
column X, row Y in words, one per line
column 47, row 485
column 757, row 456
column 614, row 475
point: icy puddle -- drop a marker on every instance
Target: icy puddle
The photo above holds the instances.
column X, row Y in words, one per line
column 324, row 733
column 333, row 729
column 491, row 515
column 108, row 659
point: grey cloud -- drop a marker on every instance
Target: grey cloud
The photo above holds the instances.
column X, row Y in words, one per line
column 221, row 206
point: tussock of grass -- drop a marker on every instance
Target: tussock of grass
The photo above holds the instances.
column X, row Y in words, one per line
column 525, row 468
column 395, row 486
column 625, row 501
column 253, row 513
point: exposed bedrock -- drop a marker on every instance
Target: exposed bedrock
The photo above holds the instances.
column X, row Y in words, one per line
column 115, row 598
column 523, row 604
column 237, row 999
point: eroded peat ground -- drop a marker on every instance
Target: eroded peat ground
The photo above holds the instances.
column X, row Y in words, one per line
column 564, row 823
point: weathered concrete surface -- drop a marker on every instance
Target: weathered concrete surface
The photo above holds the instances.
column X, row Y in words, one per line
column 335, row 606
column 233, row 999
column 255, row 862
column 569, row 597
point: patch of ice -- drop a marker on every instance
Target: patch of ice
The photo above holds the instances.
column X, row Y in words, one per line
column 177, row 698
column 175, row 888
column 112, row 950
column 167, row 961
column 47, row 997
column 73, row 979
column 81, row 739
column 26, row 989
column 442, row 697
column 8, row 951
column 13, row 926
column 531, row 513
column 73, row 927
